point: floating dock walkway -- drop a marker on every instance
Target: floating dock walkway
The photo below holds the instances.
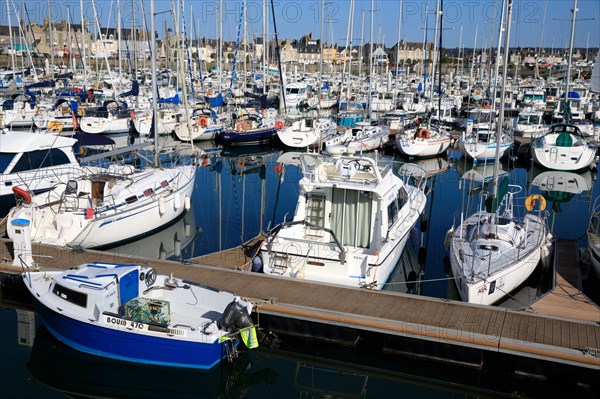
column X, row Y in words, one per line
column 329, row 312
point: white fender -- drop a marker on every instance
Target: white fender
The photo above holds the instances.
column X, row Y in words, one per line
column 162, row 206
column 187, row 203
column 177, row 201
column 177, row 248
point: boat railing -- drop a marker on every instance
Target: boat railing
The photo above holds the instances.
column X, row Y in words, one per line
column 272, row 234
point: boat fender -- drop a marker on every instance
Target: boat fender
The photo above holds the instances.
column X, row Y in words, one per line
column 414, row 237
column 448, row 238
column 162, row 206
column 187, row 203
column 422, row 256
column 411, row 281
column 257, row 265
column 424, row 223
column 177, row 201
column 177, row 248
column 535, row 200
column 22, row 193
column 235, row 317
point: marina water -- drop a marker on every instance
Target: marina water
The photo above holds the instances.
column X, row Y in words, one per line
column 239, row 193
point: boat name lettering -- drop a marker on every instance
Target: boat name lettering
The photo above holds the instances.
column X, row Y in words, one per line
column 121, row 322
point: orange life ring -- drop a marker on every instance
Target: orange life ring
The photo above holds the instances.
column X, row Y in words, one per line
column 486, row 106
column 203, row 121
column 19, row 192
column 240, row 126
column 279, row 125
column 535, row 200
column 278, row 168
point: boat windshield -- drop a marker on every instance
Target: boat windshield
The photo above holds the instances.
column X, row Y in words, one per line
column 5, row 160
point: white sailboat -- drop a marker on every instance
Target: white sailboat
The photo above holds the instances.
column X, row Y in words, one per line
column 106, row 206
column 493, row 251
column 306, row 132
column 423, row 142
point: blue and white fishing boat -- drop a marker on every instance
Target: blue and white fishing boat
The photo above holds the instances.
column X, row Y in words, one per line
column 128, row 312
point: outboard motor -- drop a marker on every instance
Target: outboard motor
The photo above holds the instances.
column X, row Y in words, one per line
column 235, row 317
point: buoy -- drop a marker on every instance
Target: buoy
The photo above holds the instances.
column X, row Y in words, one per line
column 162, row 206
column 187, row 203
column 279, row 125
column 177, row 201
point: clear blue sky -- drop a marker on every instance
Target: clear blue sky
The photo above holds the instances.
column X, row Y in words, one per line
column 298, row 17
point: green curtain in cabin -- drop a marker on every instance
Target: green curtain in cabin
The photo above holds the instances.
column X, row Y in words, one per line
column 351, row 217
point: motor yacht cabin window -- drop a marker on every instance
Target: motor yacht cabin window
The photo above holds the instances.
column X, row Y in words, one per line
column 40, row 159
column 351, row 216
column 392, row 213
column 5, row 160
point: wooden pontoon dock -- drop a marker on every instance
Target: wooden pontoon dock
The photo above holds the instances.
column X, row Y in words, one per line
column 538, row 333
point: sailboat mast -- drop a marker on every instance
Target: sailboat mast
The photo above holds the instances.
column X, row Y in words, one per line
column 154, row 87
column 83, row 43
column 371, row 61
column 566, row 103
column 503, row 93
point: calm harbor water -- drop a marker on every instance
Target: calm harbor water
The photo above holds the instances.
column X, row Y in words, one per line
column 238, row 194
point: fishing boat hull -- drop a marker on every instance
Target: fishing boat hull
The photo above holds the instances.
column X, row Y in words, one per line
column 109, row 337
column 127, row 312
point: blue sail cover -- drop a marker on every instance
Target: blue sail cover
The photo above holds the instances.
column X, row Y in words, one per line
column 171, row 100
column 572, row 94
column 44, row 83
column 215, row 101
column 135, row 90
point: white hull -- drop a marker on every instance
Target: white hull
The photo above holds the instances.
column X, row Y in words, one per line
column 76, row 221
column 550, row 156
column 479, row 151
column 96, row 125
column 198, row 133
column 486, row 267
column 422, row 148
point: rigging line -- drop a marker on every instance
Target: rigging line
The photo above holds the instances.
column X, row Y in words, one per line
column 423, row 281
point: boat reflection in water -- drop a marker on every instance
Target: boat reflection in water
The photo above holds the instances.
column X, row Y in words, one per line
column 169, row 243
column 78, row 374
